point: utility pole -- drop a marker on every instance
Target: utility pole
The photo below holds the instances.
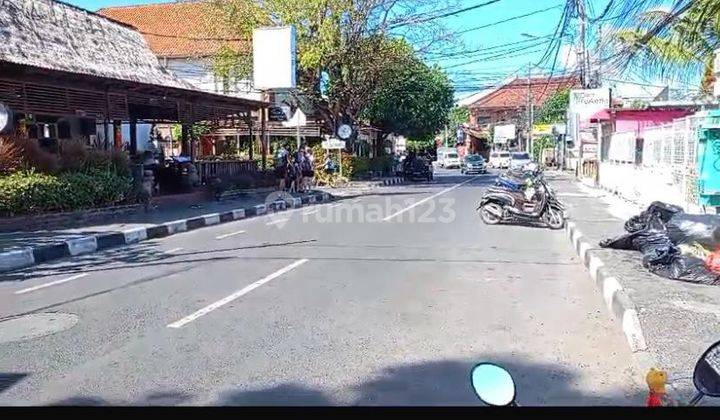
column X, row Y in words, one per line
column 598, row 59
column 528, row 145
column 583, row 52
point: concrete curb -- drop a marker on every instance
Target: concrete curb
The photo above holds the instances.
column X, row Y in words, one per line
column 616, row 299
column 393, row 181
column 29, row 256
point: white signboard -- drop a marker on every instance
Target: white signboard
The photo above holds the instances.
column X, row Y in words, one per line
column 274, row 58
column 333, row 144
column 586, row 102
column 503, row 133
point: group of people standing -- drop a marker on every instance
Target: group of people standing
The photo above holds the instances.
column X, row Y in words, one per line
column 295, row 171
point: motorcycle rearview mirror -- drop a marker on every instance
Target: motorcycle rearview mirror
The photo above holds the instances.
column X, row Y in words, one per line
column 707, row 374
column 493, row 384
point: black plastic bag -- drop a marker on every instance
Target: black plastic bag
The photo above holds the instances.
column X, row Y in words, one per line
column 662, row 211
column 653, row 229
column 703, row 229
column 687, row 268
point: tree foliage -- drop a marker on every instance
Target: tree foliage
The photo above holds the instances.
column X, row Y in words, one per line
column 458, row 116
column 345, row 48
column 554, row 109
column 415, row 101
column 675, row 43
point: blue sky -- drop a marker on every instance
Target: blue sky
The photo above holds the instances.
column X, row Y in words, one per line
column 537, row 25
column 493, row 65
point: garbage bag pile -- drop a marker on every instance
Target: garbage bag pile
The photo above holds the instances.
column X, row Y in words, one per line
column 674, row 244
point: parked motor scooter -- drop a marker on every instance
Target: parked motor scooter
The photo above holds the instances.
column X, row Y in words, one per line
column 495, row 386
column 535, row 203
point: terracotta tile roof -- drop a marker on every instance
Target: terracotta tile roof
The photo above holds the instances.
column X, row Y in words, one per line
column 514, row 93
column 177, row 29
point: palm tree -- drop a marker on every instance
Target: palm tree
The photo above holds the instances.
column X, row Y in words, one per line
column 678, row 43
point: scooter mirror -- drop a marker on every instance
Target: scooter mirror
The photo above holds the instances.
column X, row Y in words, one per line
column 493, row 384
column 707, row 372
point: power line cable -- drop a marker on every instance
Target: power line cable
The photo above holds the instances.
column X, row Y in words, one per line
column 443, row 15
column 508, row 19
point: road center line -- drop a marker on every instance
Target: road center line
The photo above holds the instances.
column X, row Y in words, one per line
column 446, row 190
column 274, row 222
column 227, row 235
column 239, row 293
column 52, row 283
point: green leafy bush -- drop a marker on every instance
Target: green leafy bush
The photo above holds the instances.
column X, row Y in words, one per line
column 30, row 192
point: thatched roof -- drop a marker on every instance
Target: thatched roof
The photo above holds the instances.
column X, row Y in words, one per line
column 57, row 36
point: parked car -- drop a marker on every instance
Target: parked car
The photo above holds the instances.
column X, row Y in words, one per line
column 519, row 159
column 418, row 169
column 499, row 160
column 473, row 164
column 450, row 160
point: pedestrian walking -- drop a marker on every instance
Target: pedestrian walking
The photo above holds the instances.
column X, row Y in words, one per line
column 281, row 170
column 299, row 165
column 309, row 174
column 292, row 174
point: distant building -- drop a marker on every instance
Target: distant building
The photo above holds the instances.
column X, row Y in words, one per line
column 185, row 41
column 508, row 102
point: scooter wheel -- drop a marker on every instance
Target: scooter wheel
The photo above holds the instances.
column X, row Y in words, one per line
column 487, row 216
column 554, row 219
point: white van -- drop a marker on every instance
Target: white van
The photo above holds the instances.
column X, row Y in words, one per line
column 447, row 157
column 499, row 159
column 519, row 159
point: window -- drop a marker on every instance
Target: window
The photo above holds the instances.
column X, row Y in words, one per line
column 520, row 156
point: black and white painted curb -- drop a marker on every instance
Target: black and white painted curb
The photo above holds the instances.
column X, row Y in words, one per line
column 29, row 256
column 393, row 181
column 616, row 299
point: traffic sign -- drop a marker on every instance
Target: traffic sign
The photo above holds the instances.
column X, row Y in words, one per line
column 333, row 144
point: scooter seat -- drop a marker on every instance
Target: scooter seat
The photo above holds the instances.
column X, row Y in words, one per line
column 509, row 184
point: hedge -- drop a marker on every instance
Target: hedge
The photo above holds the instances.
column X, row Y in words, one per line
column 30, row 192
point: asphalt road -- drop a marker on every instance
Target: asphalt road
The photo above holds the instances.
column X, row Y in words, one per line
column 386, row 298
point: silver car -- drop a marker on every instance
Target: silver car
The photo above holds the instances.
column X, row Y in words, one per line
column 473, row 164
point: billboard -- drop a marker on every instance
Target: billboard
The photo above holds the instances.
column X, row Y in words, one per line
column 274, row 58
column 586, row 102
column 503, row 133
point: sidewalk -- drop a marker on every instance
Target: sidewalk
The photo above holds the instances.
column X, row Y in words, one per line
column 24, row 248
column 668, row 323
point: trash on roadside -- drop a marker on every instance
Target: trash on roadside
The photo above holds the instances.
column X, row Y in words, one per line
column 674, row 244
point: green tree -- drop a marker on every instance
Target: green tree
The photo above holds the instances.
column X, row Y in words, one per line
column 415, row 103
column 540, row 144
column 344, row 47
column 554, row 109
column 459, row 115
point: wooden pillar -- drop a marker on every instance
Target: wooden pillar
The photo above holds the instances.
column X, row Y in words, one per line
column 251, row 137
column 106, row 138
column 117, row 134
column 184, row 140
column 133, row 136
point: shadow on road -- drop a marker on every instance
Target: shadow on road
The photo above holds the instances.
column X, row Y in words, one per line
column 143, row 255
column 433, row 383
column 9, row 379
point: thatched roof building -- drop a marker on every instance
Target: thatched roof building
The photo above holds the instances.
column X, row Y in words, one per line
column 58, row 59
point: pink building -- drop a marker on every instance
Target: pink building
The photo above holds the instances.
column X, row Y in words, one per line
column 626, row 120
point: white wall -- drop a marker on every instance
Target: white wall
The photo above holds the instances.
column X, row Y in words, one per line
column 143, row 135
column 198, row 72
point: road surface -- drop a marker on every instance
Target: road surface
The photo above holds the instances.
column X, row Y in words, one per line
column 384, row 298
